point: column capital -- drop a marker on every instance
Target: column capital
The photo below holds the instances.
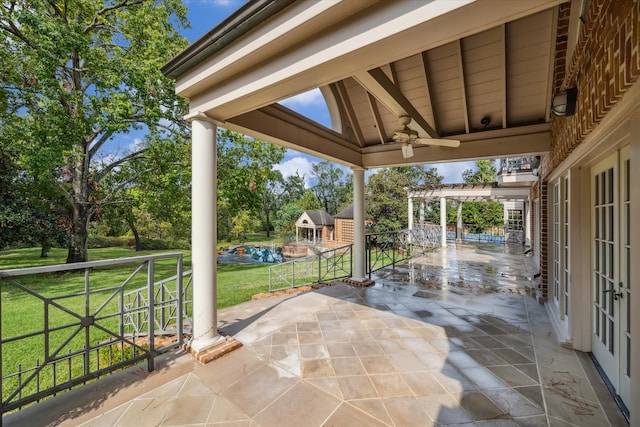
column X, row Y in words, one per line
column 199, row 115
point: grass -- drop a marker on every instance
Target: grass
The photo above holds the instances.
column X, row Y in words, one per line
column 23, row 313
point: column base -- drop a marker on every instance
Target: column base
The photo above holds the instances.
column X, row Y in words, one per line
column 212, row 349
column 360, row 282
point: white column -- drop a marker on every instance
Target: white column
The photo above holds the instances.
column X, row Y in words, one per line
column 410, row 216
column 203, row 234
column 358, row 225
column 527, row 223
column 443, row 221
column 459, row 224
column 421, row 217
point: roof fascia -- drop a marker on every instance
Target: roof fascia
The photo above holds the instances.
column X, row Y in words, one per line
column 224, row 34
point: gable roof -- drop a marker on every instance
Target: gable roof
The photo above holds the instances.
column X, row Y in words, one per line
column 479, row 72
column 346, row 213
column 318, row 217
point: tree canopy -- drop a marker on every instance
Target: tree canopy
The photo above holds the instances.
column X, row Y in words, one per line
column 332, row 187
column 77, row 77
column 386, row 194
column 481, row 215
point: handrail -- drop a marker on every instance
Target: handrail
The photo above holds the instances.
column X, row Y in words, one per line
column 90, row 330
column 325, row 266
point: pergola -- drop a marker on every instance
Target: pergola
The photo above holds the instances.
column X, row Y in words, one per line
column 464, row 193
column 480, row 72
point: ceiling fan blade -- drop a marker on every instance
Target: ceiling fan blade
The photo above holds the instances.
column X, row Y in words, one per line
column 440, row 142
column 407, row 150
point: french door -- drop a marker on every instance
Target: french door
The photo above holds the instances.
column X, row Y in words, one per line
column 611, row 255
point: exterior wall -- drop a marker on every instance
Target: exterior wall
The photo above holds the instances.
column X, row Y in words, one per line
column 344, row 230
column 605, row 65
column 605, row 68
column 327, row 233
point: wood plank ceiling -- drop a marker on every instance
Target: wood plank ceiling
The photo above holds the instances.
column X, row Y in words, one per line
column 477, row 71
column 501, row 75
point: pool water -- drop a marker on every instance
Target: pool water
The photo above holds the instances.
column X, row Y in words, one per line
column 251, row 255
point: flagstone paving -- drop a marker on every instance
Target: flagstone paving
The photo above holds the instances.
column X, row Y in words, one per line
column 451, row 338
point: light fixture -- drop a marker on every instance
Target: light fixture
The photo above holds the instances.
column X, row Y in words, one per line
column 407, row 150
column 564, row 103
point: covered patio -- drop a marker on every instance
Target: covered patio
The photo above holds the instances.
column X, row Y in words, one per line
column 450, row 338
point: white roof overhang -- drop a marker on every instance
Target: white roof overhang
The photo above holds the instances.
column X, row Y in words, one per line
column 446, row 63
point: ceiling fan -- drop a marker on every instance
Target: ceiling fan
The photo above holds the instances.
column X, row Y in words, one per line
column 407, row 136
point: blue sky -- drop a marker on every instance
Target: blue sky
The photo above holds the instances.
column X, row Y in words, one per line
column 205, row 14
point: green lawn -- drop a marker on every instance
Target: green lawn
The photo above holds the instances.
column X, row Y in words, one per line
column 23, row 313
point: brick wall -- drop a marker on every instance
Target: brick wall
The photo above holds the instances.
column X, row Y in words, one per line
column 605, row 64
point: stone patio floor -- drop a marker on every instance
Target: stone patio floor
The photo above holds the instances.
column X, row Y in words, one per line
column 451, row 338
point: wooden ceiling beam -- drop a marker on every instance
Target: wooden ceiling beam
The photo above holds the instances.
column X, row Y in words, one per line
column 388, row 94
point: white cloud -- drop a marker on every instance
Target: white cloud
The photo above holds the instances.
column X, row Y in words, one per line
column 310, row 98
column 136, row 145
column 300, row 165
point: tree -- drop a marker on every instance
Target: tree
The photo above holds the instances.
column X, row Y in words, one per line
column 485, row 172
column 386, row 196
column 245, row 166
column 482, row 215
column 77, row 77
column 432, row 177
column 29, row 219
column 280, row 192
column 330, row 185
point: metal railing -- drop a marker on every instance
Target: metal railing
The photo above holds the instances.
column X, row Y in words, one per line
column 382, row 250
column 386, row 249
column 471, row 232
column 516, row 164
column 136, row 318
column 324, row 267
column 426, row 237
column 88, row 329
column 391, row 248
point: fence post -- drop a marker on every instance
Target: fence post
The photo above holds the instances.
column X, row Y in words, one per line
column 180, row 299
column 393, row 251
column 319, row 267
column 152, row 320
column 87, row 322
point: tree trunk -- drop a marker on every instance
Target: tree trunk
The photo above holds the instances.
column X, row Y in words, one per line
column 44, row 248
column 79, row 242
column 267, row 222
column 136, row 236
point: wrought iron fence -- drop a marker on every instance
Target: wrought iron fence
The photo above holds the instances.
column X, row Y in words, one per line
column 87, row 328
column 325, row 266
column 166, row 298
column 391, row 248
column 471, row 232
column 426, row 237
column 385, row 249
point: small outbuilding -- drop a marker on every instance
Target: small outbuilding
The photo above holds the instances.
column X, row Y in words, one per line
column 317, row 226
